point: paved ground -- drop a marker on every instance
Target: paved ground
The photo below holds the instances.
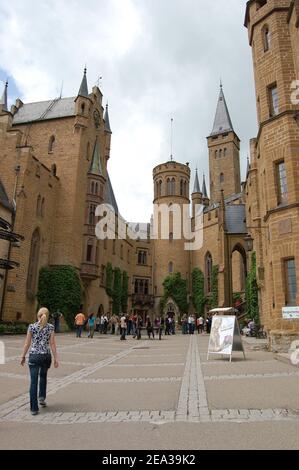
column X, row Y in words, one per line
column 109, row 394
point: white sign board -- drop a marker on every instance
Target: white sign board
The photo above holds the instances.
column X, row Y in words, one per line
column 225, row 336
column 289, row 313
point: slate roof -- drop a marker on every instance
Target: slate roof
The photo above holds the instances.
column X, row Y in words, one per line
column 95, row 165
column 107, row 121
column 42, row 110
column 83, row 91
column 110, row 197
column 222, row 121
column 4, row 199
column 196, row 184
column 235, row 218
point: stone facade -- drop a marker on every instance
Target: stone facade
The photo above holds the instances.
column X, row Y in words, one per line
column 272, row 188
column 55, row 166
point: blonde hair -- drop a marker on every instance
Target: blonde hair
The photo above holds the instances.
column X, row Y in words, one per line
column 42, row 317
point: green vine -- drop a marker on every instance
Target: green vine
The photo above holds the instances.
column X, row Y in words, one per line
column 214, row 285
column 117, row 292
column 109, row 279
column 59, row 288
column 198, row 291
column 176, row 288
column 124, row 291
column 251, row 291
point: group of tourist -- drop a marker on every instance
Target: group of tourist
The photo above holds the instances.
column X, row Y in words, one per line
column 193, row 322
column 122, row 325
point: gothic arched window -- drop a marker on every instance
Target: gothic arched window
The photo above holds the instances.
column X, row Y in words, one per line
column 92, row 212
column 89, row 251
column 221, row 178
column 53, row 169
column 51, row 144
column 173, row 187
column 181, row 188
column 185, row 188
column 42, row 208
column 208, row 272
column 38, row 205
column 33, row 263
column 266, row 36
column 170, row 267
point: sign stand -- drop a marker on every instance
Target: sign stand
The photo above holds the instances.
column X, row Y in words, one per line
column 225, row 336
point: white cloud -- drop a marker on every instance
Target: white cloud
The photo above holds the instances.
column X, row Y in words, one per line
column 158, row 59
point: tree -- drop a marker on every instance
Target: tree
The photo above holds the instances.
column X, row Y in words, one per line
column 59, row 288
column 198, row 291
column 176, row 288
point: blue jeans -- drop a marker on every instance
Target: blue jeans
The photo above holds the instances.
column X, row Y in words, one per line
column 38, row 366
column 79, row 329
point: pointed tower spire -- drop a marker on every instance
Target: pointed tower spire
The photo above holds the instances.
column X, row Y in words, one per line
column 3, row 99
column 95, row 165
column 204, row 188
column 83, row 91
column 106, row 119
column 196, row 183
column 222, row 121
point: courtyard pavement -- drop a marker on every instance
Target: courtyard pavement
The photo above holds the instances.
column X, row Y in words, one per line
column 112, row 394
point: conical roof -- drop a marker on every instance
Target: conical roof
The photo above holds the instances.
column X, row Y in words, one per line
column 222, row 121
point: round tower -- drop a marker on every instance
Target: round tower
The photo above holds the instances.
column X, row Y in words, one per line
column 171, row 201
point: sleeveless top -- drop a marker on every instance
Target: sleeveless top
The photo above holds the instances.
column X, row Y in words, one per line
column 40, row 338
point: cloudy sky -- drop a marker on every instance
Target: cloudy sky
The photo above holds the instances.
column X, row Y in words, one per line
column 158, row 59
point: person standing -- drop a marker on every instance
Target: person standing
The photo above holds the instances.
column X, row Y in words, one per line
column 200, row 324
column 139, row 326
column 91, row 325
column 41, row 340
column 79, row 323
column 149, row 328
column 123, row 327
column 56, row 319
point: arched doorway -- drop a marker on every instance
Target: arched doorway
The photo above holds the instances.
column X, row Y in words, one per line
column 238, row 272
column 171, row 309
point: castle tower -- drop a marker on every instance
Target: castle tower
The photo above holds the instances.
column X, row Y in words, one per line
column 272, row 187
column 171, row 191
column 224, row 148
column 3, row 100
column 196, row 195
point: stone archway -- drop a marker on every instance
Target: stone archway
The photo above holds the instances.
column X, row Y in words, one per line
column 238, row 268
column 171, row 308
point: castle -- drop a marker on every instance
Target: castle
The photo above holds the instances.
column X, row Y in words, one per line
column 54, row 173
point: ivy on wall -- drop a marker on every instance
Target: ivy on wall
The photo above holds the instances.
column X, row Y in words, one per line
column 109, row 279
column 214, row 286
column 198, row 291
column 59, row 288
column 176, row 288
column 116, row 295
column 125, row 291
column 117, row 287
column 252, row 291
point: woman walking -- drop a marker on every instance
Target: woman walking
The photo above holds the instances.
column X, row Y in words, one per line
column 91, row 325
column 40, row 338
